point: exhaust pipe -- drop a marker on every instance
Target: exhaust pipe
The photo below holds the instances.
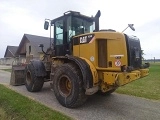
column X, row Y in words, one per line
column 96, row 19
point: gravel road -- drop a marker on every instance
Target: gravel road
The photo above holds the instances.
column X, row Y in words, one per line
column 113, row 107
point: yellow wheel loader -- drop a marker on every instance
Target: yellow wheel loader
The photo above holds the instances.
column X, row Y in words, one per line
column 84, row 60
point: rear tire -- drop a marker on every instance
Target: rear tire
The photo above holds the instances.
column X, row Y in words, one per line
column 32, row 82
column 68, row 86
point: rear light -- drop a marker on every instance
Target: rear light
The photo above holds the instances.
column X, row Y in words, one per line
column 123, row 68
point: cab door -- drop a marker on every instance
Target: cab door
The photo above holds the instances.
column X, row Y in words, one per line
column 62, row 36
column 58, row 37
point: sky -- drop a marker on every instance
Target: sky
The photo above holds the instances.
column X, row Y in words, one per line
column 18, row 17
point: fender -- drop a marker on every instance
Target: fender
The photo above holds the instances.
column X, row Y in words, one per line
column 84, row 67
column 39, row 68
column 93, row 70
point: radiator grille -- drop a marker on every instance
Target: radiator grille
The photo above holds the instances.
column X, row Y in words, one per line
column 102, row 53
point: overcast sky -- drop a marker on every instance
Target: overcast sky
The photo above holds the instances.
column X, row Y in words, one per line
column 27, row 16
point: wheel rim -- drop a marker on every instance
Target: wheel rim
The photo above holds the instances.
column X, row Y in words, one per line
column 28, row 78
column 64, row 86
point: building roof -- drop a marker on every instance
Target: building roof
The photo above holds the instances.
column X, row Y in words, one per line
column 35, row 41
column 10, row 51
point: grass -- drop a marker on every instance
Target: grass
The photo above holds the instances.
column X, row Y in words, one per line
column 3, row 115
column 18, row 107
column 147, row 87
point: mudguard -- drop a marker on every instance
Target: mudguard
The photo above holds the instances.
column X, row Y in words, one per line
column 39, row 68
column 85, row 69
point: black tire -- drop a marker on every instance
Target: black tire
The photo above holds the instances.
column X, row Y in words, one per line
column 68, row 86
column 106, row 93
column 32, row 82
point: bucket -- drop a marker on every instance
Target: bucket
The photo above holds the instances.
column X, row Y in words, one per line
column 17, row 75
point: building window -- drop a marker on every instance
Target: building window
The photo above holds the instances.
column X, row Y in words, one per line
column 29, row 49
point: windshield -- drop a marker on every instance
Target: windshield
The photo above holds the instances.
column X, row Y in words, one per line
column 73, row 26
column 81, row 26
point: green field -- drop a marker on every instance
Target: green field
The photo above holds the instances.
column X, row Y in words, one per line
column 14, row 106
column 147, row 87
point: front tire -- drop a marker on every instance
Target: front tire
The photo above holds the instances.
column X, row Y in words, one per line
column 68, row 86
column 32, row 82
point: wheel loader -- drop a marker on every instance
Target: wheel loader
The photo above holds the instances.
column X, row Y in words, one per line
column 84, row 60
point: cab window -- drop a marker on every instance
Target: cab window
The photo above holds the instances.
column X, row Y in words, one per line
column 59, row 32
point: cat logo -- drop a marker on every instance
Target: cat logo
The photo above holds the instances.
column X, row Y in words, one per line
column 83, row 39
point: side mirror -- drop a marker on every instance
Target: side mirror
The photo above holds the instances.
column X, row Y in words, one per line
column 46, row 25
column 131, row 26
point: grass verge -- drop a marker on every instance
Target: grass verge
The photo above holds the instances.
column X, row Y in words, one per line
column 3, row 115
column 147, row 87
column 18, row 107
column 8, row 70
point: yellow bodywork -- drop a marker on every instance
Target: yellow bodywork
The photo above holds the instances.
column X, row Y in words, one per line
column 111, row 76
column 115, row 46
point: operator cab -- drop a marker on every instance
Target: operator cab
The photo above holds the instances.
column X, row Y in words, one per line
column 71, row 24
